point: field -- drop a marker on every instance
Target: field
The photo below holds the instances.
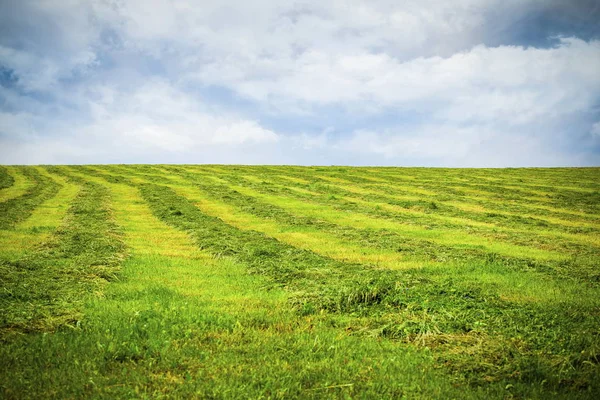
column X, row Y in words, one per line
column 148, row 281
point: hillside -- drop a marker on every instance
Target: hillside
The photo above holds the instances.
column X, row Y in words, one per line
column 285, row 282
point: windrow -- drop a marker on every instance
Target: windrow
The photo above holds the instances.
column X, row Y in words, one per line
column 434, row 200
column 510, row 198
column 395, row 241
column 556, row 187
column 18, row 209
column 516, row 230
column 399, row 305
column 448, row 314
column 41, row 224
column 501, row 184
column 6, row 180
column 44, row 289
column 407, row 190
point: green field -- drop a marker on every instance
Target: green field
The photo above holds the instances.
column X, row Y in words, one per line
column 149, row 281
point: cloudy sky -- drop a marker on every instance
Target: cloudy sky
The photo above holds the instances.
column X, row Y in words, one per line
column 380, row 82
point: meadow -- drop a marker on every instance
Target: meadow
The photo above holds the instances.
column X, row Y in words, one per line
column 257, row 282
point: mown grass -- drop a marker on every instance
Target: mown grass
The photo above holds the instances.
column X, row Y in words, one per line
column 199, row 326
column 272, row 282
column 42, row 289
column 13, row 183
column 6, row 179
column 40, row 225
column 16, row 209
column 443, row 243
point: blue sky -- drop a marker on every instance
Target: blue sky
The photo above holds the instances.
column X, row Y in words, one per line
column 464, row 83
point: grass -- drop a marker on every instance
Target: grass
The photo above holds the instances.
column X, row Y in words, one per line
column 42, row 288
column 6, row 180
column 40, row 225
column 12, row 183
column 25, row 197
column 290, row 282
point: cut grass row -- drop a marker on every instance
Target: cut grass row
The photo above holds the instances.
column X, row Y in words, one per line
column 6, row 180
column 358, row 180
column 16, row 184
column 538, row 181
column 512, row 279
column 290, row 212
column 519, row 212
column 526, row 181
column 382, row 248
column 41, row 289
column 40, row 225
column 424, row 242
column 19, row 208
column 493, row 193
column 429, row 214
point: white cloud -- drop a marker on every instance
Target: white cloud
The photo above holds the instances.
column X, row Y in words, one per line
column 482, row 83
column 158, row 115
column 451, row 146
column 153, row 118
column 130, row 75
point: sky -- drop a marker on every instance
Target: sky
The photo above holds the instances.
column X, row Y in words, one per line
column 462, row 83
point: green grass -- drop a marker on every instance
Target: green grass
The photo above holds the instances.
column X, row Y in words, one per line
column 40, row 225
column 42, row 288
column 6, row 179
column 294, row 282
column 19, row 206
